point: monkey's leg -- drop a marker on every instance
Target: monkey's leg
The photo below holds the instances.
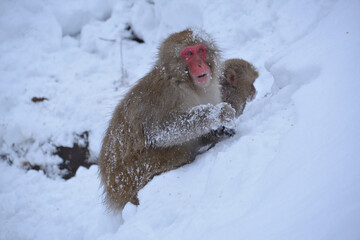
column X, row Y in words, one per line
column 135, row 200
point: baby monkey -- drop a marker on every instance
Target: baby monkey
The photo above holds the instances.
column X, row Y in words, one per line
column 237, row 87
column 237, row 83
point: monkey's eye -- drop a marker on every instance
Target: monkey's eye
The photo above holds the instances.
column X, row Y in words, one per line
column 187, row 53
column 201, row 50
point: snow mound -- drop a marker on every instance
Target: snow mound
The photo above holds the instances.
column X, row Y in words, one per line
column 290, row 172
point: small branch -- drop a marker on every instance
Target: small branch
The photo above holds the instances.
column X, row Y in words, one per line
column 39, row 99
column 123, row 70
column 108, row 40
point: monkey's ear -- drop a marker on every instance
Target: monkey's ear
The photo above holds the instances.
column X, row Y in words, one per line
column 253, row 74
column 230, row 75
column 252, row 92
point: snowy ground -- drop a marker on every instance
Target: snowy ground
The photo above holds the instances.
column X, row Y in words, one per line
column 291, row 172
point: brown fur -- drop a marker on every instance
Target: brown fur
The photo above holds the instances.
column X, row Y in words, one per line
column 237, row 87
column 155, row 127
column 237, row 83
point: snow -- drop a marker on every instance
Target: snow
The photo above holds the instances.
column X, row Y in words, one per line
column 290, row 172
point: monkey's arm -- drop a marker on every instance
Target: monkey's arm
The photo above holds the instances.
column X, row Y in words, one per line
column 184, row 127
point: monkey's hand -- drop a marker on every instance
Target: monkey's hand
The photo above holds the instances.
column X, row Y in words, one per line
column 196, row 122
column 215, row 136
column 227, row 113
column 220, row 115
column 224, row 132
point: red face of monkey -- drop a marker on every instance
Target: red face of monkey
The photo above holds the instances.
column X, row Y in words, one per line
column 195, row 57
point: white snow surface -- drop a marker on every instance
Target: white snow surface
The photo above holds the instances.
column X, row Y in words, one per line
column 292, row 171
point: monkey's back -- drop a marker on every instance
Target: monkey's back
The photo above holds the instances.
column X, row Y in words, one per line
column 126, row 161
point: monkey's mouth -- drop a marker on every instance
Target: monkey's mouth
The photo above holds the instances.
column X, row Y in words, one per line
column 202, row 79
column 201, row 76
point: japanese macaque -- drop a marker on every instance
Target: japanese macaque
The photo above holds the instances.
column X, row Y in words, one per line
column 237, row 87
column 237, row 83
column 156, row 126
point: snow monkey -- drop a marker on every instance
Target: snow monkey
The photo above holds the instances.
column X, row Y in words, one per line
column 156, row 126
column 237, row 87
column 237, row 83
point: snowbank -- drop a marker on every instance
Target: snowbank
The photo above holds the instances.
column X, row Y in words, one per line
column 291, row 172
